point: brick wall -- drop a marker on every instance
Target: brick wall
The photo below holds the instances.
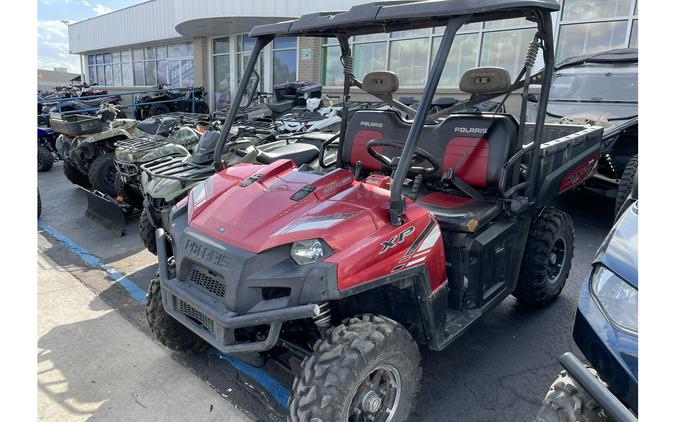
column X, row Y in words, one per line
column 201, row 62
column 309, row 61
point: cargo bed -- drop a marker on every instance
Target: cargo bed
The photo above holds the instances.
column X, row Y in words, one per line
column 569, row 156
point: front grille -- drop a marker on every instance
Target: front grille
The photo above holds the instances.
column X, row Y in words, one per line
column 187, row 310
column 158, row 203
column 207, row 281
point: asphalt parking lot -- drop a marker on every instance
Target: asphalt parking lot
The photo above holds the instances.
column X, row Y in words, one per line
column 499, row 370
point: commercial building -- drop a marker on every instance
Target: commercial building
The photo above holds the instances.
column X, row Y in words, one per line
column 204, row 43
column 59, row 76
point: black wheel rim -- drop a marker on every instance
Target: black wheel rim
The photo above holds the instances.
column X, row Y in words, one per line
column 556, row 260
column 377, row 397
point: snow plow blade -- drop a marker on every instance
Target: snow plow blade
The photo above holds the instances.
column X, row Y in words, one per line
column 108, row 211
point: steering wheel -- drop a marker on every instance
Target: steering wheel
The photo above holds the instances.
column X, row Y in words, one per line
column 420, row 156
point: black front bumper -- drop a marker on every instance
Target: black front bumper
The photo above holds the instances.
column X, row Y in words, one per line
column 213, row 321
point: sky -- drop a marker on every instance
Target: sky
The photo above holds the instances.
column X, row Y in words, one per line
column 52, row 34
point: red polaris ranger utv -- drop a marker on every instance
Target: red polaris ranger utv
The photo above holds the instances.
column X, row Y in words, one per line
column 426, row 222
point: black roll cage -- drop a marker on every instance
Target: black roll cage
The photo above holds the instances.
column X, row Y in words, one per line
column 541, row 16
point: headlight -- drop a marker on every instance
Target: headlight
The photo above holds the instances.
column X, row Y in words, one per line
column 198, row 192
column 307, row 251
column 618, row 299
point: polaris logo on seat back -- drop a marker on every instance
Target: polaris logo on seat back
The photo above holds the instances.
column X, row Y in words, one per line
column 372, row 124
column 476, row 130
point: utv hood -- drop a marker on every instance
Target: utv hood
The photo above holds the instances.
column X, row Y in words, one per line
column 256, row 207
column 619, row 252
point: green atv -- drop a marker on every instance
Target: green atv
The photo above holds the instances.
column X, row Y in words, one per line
column 87, row 145
column 168, row 180
column 168, row 135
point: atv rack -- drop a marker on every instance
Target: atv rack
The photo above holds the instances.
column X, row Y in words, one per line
column 258, row 125
column 140, row 144
column 75, row 124
column 134, row 146
column 177, row 168
column 186, row 117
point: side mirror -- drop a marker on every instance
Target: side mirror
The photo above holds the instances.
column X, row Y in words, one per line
column 532, row 98
column 251, row 89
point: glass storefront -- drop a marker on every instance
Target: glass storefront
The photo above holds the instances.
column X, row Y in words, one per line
column 284, row 60
column 583, row 27
column 221, row 72
column 589, row 26
column 169, row 65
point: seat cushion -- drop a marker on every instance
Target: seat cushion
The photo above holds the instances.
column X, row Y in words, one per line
column 300, row 153
column 280, row 106
column 458, row 213
column 157, row 125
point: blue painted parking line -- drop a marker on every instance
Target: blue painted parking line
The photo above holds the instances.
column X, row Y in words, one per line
column 280, row 393
column 117, row 277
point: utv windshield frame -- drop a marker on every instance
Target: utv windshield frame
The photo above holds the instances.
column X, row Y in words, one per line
column 381, row 17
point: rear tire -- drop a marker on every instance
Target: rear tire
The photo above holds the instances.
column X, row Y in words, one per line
column 626, row 184
column 568, row 402
column 102, row 173
column 334, row 379
column 45, row 158
column 201, row 107
column 147, row 231
column 74, row 175
column 166, row 329
column 156, row 109
column 547, row 259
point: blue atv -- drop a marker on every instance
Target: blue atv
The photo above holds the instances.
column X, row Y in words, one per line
column 606, row 331
column 46, row 149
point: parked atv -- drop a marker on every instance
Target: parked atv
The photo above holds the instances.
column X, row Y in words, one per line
column 319, row 115
column 168, row 180
column 81, row 105
column 602, row 89
column 167, row 101
column 88, row 143
column 165, row 135
column 46, row 149
column 606, row 332
column 423, row 227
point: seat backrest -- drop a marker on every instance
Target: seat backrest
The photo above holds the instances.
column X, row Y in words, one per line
column 476, row 146
column 366, row 125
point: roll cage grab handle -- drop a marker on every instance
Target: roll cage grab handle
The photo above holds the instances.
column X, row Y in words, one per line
column 397, row 203
column 260, row 43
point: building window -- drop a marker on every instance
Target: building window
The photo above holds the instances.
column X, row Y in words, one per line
column 410, row 54
column 586, row 26
column 506, row 49
column 408, row 58
column 244, row 47
column 221, row 72
column 143, row 66
column 591, row 26
column 284, row 60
